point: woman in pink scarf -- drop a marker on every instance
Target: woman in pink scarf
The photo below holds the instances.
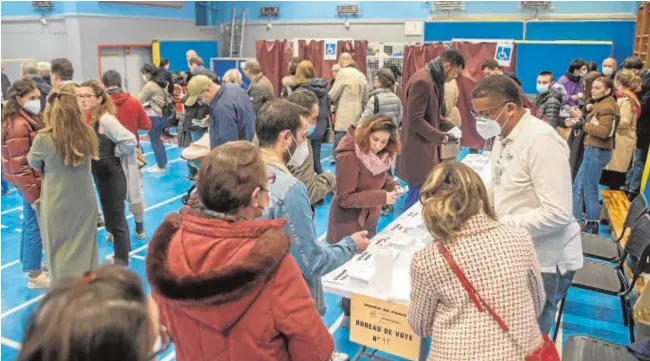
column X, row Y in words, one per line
column 363, row 158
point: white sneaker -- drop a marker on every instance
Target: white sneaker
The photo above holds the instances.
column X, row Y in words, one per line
column 156, row 170
column 339, row 356
column 109, row 260
column 41, row 281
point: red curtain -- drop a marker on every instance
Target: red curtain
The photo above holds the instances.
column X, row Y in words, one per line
column 474, row 54
column 416, row 56
column 274, row 57
column 314, row 51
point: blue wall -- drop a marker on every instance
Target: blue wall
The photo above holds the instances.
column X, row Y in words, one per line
column 175, row 51
column 313, row 10
column 24, row 8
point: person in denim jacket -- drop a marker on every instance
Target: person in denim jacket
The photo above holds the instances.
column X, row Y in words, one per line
column 282, row 130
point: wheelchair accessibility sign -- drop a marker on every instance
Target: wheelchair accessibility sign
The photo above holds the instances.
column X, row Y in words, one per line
column 330, row 50
column 503, row 54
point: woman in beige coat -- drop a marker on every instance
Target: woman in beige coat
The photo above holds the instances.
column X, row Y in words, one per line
column 627, row 84
column 499, row 261
column 448, row 152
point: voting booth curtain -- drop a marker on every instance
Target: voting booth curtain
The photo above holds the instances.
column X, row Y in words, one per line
column 314, row 51
column 416, row 56
column 274, row 57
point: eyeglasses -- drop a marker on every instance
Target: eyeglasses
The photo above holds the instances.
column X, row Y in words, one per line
column 487, row 113
column 166, row 341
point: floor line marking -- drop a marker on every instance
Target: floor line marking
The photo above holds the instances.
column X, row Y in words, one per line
column 150, row 153
column 169, row 162
column 9, row 264
column 10, row 343
column 12, row 210
column 138, row 257
column 21, row 306
column 335, row 326
column 170, row 356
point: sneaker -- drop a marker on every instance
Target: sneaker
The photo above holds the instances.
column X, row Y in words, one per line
column 100, row 223
column 109, row 238
column 590, row 227
column 156, row 170
column 140, row 235
column 40, row 281
column 339, row 356
column 109, row 260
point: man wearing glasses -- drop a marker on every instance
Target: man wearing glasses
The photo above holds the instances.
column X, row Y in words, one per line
column 231, row 113
column 531, row 184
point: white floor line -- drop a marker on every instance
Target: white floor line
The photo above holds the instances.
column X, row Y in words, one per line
column 559, row 342
column 169, row 162
column 21, row 306
column 172, row 147
column 170, row 356
column 335, row 326
column 9, row 264
column 138, row 257
column 10, row 343
column 12, row 210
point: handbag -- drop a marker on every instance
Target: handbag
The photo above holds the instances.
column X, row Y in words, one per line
column 329, row 134
column 140, row 158
column 546, row 352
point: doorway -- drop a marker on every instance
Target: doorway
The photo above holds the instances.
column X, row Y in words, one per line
column 127, row 59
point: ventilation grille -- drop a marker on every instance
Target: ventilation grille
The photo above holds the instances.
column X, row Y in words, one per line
column 347, row 10
column 447, row 6
column 42, row 5
column 536, row 5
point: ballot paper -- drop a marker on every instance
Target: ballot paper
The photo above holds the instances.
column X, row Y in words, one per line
column 361, row 273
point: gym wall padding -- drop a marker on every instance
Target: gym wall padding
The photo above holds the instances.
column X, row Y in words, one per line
column 533, row 57
column 620, row 32
column 447, row 30
column 174, row 51
column 221, row 65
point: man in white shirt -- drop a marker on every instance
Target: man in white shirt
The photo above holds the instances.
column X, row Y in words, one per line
column 531, row 184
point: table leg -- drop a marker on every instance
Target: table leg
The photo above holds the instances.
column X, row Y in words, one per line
column 359, row 354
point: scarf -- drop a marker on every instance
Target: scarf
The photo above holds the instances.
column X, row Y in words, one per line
column 634, row 100
column 438, row 76
column 374, row 163
column 572, row 77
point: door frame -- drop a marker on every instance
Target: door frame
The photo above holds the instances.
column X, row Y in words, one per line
column 124, row 46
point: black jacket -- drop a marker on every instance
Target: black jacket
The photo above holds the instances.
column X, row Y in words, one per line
column 170, row 81
column 319, row 87
column 43, row 87
column 548, row 106
column 643, row 124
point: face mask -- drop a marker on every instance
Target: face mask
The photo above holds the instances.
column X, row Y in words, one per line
column 300, row 155
column 33, row 106
column 608, row 71
column 310, row 128
column 543, row 88
column 489, row 128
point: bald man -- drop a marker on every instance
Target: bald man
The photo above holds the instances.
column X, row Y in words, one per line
column 189, row 55
column 260, row 89
column 609, row 68
column 349, row 93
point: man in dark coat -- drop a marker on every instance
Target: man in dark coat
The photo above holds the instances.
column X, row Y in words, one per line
column 30, row 71
column 423, row 127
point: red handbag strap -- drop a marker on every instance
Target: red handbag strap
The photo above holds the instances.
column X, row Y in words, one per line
column 471, row 291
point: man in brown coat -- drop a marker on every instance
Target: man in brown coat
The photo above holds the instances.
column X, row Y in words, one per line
column 423, row 127
column 260, row 89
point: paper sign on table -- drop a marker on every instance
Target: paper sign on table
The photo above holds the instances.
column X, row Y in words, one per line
column 383, row 326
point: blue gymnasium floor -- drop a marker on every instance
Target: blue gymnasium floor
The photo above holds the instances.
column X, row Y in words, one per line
column 586, row 313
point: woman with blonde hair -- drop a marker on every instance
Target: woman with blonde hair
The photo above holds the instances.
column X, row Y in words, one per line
column 232, row 76
column 497, row 260
column 116, row 146
column 627, row 84
column 67, row 209
column 306, row 79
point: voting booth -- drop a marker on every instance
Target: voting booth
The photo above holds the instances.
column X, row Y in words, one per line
column 379, row 284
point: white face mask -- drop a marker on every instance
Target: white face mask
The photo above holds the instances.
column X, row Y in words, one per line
column 300, row 154
column 33, row 106
column 607, row 71
column 543, row 88
column 489, row 128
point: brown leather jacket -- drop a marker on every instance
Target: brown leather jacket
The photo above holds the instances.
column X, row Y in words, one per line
column 17, row 137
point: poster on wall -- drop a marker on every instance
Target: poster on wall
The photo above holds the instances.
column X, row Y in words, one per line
column 330, row 49
column 503, row 54
column 383, row 326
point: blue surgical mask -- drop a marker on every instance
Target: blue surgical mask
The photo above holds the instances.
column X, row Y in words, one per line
column 310, row 128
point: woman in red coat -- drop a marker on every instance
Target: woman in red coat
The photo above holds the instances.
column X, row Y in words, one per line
column 20, row 121
column 363, row 158
column 226, row 284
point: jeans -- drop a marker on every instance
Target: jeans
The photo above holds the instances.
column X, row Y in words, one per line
column 412, row 196
column 633, row 179
column 31, row 243
column 157, row 126
column 585, row 186
column 338, row 135
column 555, row 287
column 192, row 166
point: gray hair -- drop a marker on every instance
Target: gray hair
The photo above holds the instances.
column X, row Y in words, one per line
column 29, row 67
column 43, row 68
column 253, row 66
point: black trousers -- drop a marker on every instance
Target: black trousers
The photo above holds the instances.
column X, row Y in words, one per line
column 112, row 188
column 315, row 146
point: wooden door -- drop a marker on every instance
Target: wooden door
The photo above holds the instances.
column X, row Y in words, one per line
column 642, row 33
